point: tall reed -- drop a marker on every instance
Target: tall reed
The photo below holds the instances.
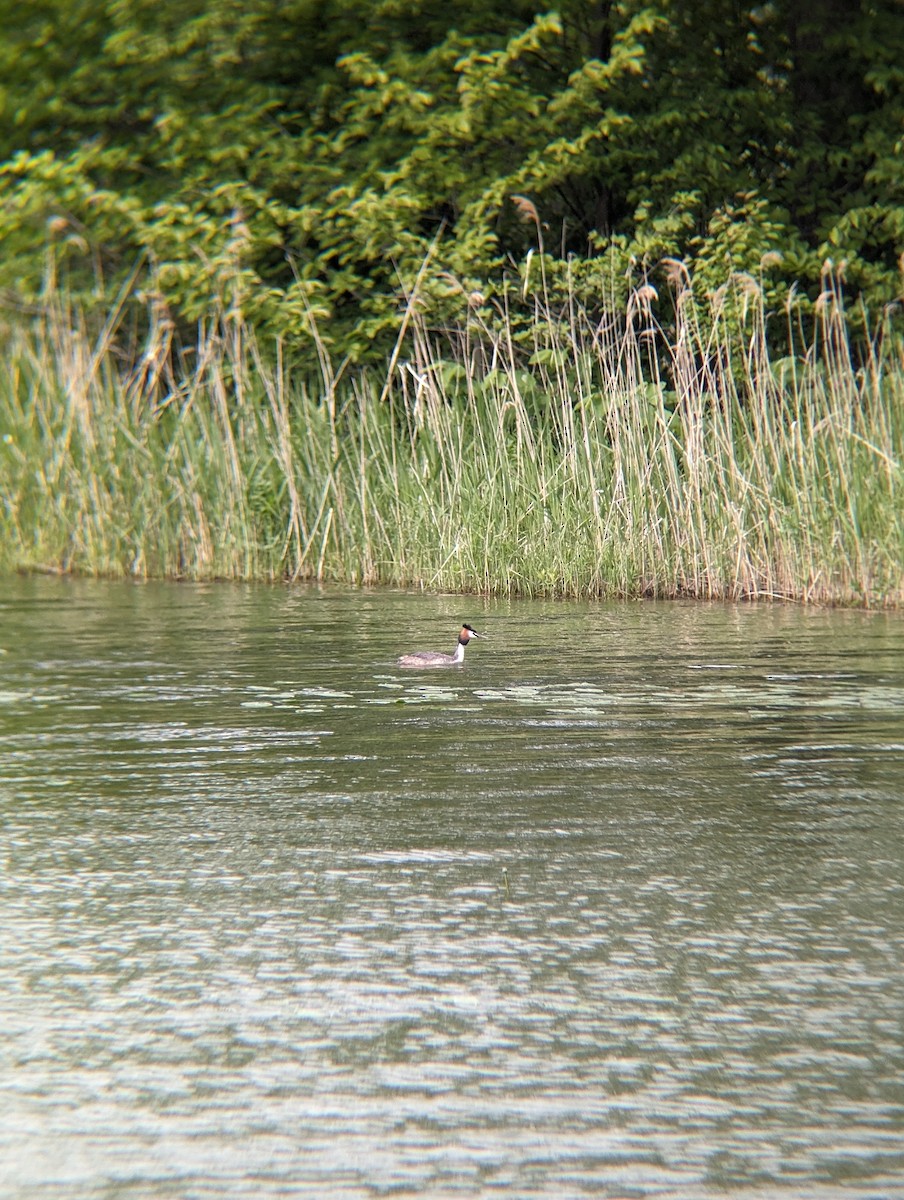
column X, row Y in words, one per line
column 592, row 457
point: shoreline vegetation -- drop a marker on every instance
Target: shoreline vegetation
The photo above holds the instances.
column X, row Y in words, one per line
column 733, row 454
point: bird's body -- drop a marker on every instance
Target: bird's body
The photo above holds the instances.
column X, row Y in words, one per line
column 433, row 658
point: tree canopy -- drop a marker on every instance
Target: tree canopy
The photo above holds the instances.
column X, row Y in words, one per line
column 300, row 160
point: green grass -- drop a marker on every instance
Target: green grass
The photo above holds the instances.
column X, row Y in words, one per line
column 585, row 458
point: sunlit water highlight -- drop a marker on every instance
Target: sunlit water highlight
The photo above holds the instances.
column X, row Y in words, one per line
column 617, row 909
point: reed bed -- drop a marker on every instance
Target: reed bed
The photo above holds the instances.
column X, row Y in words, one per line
column 588, row 456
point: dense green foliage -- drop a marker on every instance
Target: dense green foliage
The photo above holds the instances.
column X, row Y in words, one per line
column 301, row 160
column 600, row 266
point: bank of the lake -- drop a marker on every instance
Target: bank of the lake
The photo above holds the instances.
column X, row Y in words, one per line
column 603, row 459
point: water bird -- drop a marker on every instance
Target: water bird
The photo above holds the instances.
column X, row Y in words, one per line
column 433, row 658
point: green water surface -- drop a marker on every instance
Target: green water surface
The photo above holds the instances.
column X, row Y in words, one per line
column 616, row 909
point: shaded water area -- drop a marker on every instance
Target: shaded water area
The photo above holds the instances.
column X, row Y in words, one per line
column 616, row 909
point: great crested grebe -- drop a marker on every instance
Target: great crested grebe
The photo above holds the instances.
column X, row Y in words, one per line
column 432, row 658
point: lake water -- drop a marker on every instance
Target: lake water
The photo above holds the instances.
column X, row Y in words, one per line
column 616, row 909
